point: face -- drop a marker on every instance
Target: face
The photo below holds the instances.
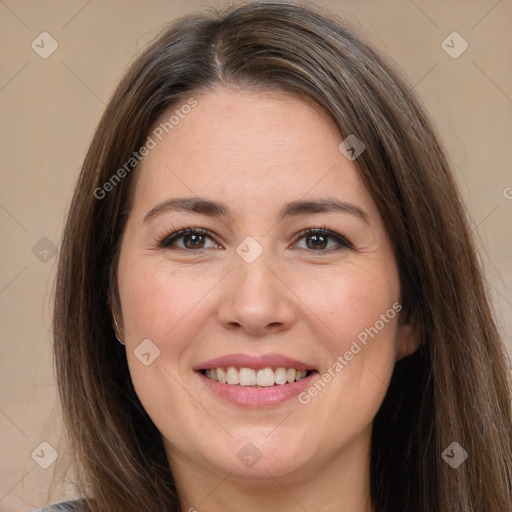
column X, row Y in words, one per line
column 307, row 320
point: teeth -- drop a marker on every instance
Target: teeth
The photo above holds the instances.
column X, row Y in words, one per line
column 232, row 377
column 280, row 376
column 264, row 377
column 222, row 375
column 247, row 377
column 290, row 375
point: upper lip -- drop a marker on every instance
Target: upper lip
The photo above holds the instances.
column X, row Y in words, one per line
column 254, row 362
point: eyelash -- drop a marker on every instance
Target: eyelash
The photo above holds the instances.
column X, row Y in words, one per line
column 168, row 240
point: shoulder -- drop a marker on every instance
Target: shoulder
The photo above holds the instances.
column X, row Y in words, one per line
column 66, row 506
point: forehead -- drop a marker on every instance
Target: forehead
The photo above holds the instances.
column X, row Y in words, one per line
column 246, row 147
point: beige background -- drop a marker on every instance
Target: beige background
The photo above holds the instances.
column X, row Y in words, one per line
column 50, row 107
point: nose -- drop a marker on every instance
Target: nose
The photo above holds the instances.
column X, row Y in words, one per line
column 255, row 300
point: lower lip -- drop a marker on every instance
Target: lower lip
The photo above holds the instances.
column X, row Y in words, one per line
column 247, row 396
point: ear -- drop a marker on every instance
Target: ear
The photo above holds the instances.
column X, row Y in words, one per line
column 117, row 319
column 408, row 340
column 117, row 328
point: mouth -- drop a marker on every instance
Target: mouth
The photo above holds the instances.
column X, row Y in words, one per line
column 256, row 381
column 258, row 378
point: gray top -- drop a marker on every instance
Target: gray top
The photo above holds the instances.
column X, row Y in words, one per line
column 66, row 506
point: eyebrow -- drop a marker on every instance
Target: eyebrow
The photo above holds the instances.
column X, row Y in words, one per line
column 295, row 208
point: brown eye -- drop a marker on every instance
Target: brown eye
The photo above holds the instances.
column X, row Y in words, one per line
column 191, row 239
column 321, row 239
column 317, row 241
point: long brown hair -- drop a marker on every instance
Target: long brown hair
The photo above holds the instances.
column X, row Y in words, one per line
column 454, row 388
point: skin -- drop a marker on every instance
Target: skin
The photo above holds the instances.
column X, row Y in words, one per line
column 254, row 152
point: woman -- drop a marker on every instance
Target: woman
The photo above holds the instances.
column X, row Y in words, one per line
column 267, row 223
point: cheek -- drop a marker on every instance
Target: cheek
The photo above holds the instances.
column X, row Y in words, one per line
column 350, row 301
column 158, row 303
column 359, row 308
column 168, row 307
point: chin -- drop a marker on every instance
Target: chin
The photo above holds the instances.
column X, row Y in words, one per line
column 259, row 458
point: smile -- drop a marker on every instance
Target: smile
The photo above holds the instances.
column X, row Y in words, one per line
column 264, row 377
